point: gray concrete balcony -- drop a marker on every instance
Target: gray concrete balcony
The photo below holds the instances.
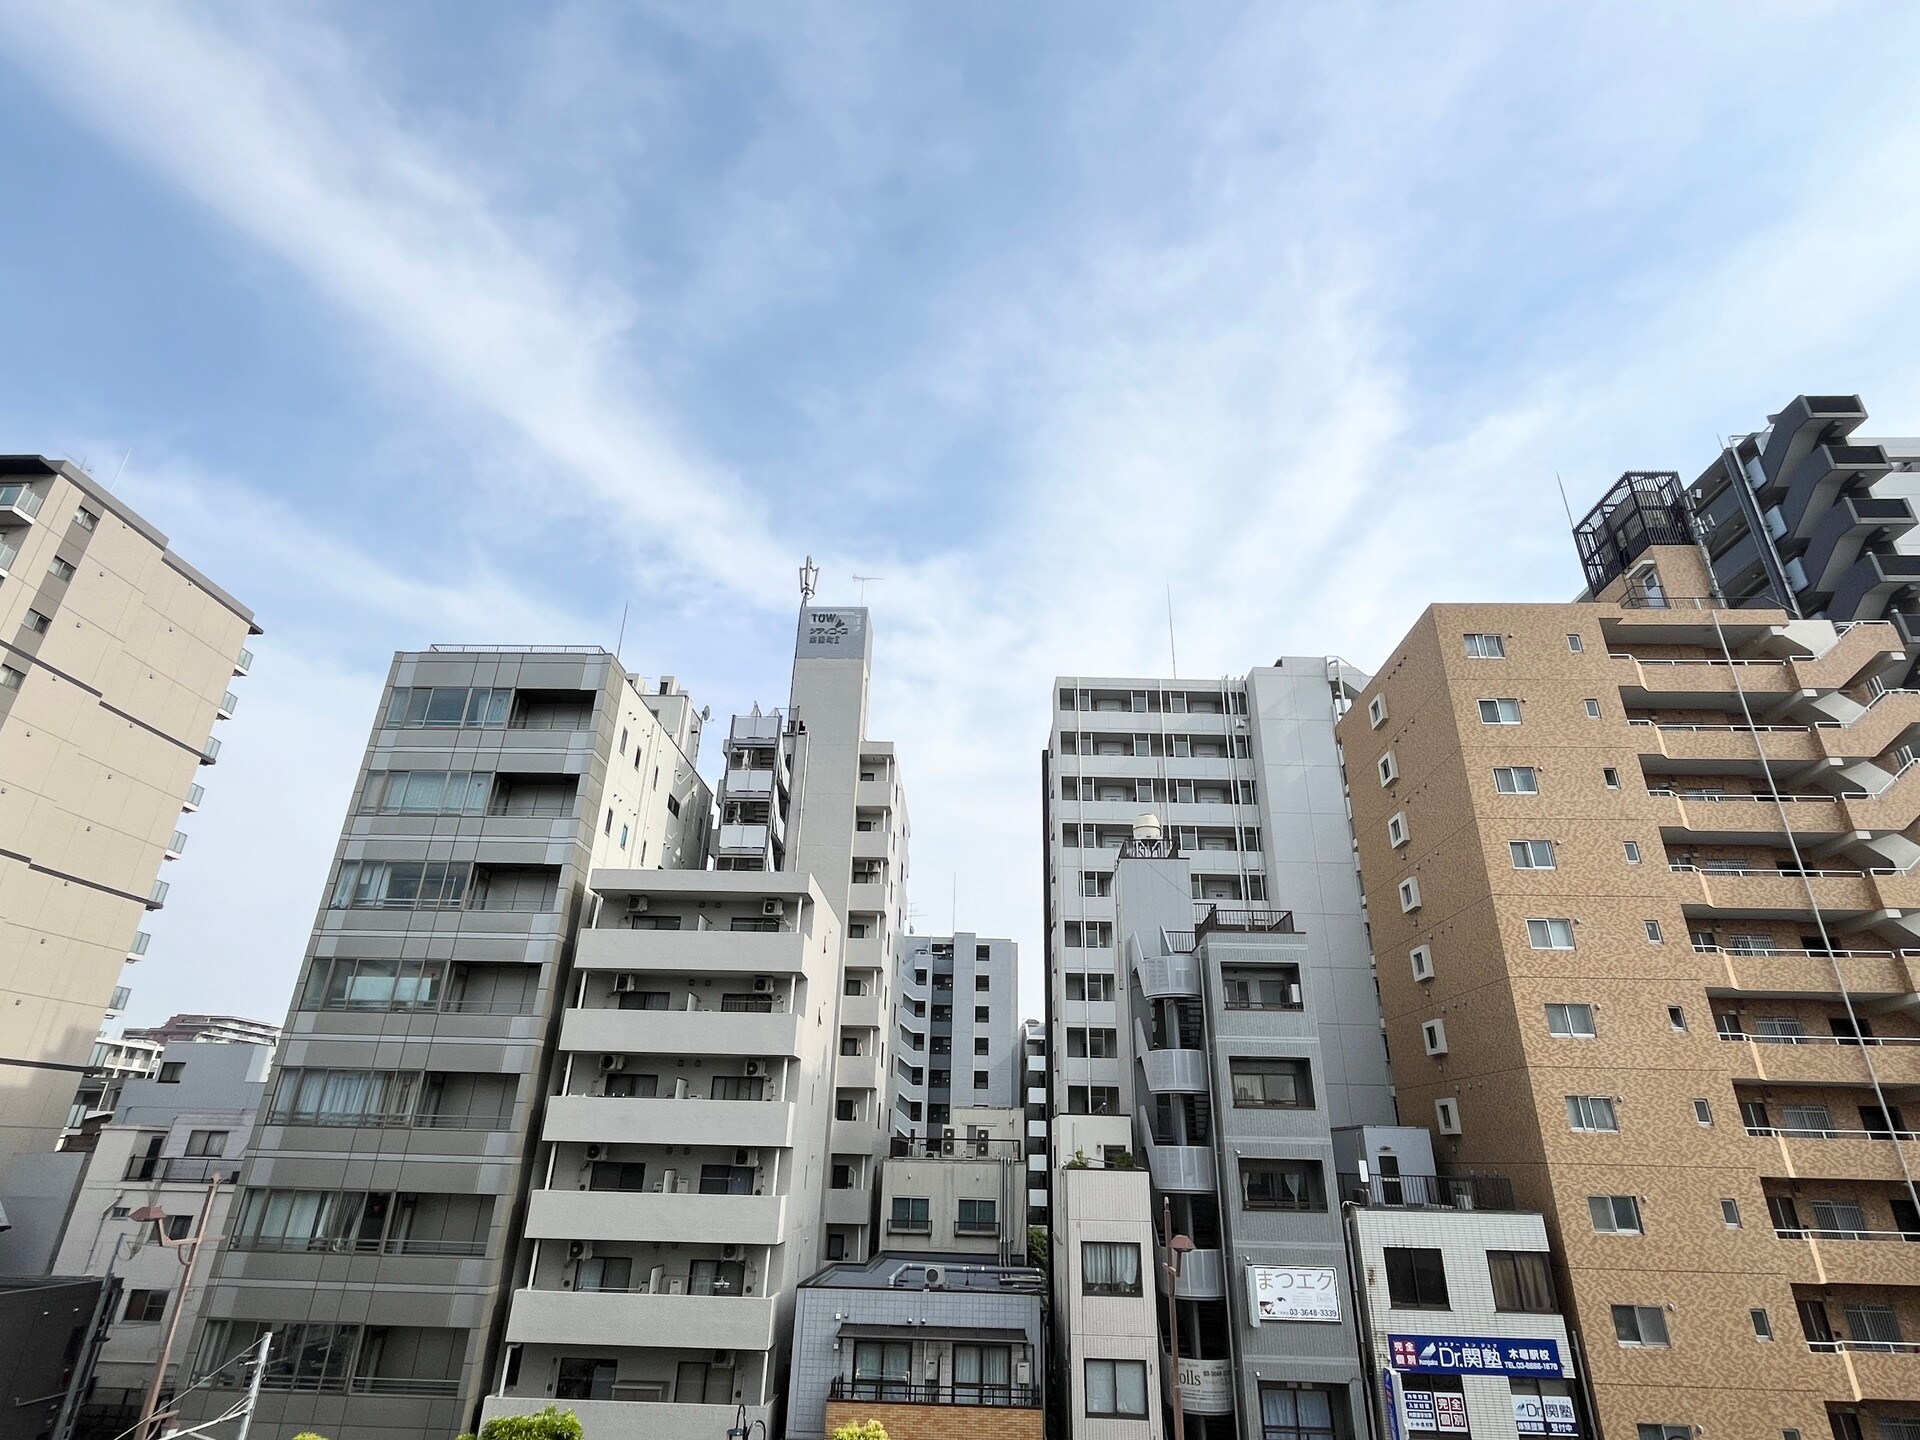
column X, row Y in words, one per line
column 860, row 1011
column 680, row 1032
column 619, row 1120
column 1184, row 1169
column 1203, row 1274
column 1171, row 1071
column 1162, row 976
column 603, row 1317
column 681, row 1218
column 749, row 784
column 717, row 952
column 755, row 729
column 1843, row 531
column 745, row 842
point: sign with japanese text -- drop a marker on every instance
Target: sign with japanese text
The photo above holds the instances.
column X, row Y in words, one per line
column 1545, row 1415
column 1473, row 1355
column 1294, row 1292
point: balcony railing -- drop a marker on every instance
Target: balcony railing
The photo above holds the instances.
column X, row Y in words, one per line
column 141, row 940
column 957, row 1147
column 199, row 1170
column 1258, row 919
column 176, row 844
column 1807, row 1132
column 229, row 702
column 904, row 1392
column 1864, row 1347
column 243, row 662
column 1853, row 1040
column 210, row 752
column 157, row 897
column 195, row 794
column 1815, row 1233
column 1428, row 1192
column 366, row 1120
column 20, row 499
column 342, row 1245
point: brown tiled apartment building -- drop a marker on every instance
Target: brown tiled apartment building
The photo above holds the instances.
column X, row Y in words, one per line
column 1642, row 886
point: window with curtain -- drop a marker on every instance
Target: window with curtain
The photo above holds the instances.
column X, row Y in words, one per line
column 1271, row 1083
column 978, row 1217
column 1117, row 1388
column 982, row 1375
column 881, row 1369
column 1521, row 1281
column 1281, row 1185
column 1109, row 1267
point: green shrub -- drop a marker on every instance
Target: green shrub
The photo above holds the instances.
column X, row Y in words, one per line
column 860, row 1430
column 551, row 1423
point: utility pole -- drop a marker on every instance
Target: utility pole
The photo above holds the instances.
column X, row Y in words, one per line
column 253, row 1385
column 146, row 1429
column 1177, row 1248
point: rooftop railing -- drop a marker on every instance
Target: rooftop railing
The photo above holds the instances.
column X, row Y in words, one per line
column 906, row 1392
column 1428, row 1192
column 1252, row 920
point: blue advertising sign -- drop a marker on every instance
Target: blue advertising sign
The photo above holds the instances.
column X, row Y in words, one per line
column 1473, row 1355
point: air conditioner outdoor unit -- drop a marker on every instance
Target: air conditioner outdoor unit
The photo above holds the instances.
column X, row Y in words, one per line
column 934, row 1278
column 723, row 1357
column 773, row 907
column 1293, row 994
column 763, row 983
column 622, row 983
column 636, row 904
column 729, row 1252
column 609, row 1063
column 755, row 1067
column 594, row 1152
column 579, row 1249
column 747, row 1157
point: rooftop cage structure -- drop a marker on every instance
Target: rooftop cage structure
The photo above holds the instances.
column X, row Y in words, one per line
column 1643, row 509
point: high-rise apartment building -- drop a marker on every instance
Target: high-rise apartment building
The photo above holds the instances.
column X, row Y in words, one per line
column 1243, row 778
column 1803, row 516
column 1640, row 874
column 958, row 1042
column 377, row 1224
column 116, row 661
column 720, row 1110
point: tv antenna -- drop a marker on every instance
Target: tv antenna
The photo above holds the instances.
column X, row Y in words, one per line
column 863, row 579
column 809, row 579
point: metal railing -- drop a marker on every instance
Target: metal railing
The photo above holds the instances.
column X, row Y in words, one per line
column 906, row 1392
column 1853, row 1040
column 199, row 1169
column 1869, row 1347
column 21, row 498
column 1257, row 919
column 1814, row 1232
column 1741, row 870
column 1428, row 1192
column 1806, row 1132
column 957, row 1147
column 519, row 649
column 344, row 1245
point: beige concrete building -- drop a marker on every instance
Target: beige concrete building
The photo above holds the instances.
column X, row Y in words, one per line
column 118, row 658
column 1642, row 894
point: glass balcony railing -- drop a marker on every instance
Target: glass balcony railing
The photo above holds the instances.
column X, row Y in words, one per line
column 138, row 948
column 211, row 752
column 121, row 995
column 243, row 662
column 176, row 844
column 195, row 794
column 18, row 502
column 159, row 896
column 229, row 702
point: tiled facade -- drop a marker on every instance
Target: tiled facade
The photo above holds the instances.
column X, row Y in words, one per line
column 1698, row 1059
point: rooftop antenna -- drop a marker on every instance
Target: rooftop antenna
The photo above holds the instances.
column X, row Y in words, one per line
column 122, row 470
column 863, row 579
column 1173, row 655
column 953, row 914
column 809, row 579
column 620, row 643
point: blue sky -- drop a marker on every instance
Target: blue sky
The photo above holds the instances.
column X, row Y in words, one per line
column 475, row 321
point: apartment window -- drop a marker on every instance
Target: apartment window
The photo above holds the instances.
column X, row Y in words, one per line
column 981, row 1014
column 1576, row 644
column 460, row 792
column 846, row 1107
column 1388, row 767
column 1272, row 1084
column 1397, row 829
column 1730, row 1213
column 1762, row 1323
column 1663, row 1432
column 1521, row 1281
column 1257, row 991
column 607, row 829
column 840, row 1177
column 60, row 569
column 1096, row 884
column 673, row 805
column 171, row 1071
column 1677, row 1018
column 1500, row 712
column 1516, row 780
column 85, row 518
column 1416, row 1278
column 10, row 678
column 37, row 622
column 1421, row 959
column 177, row 1227
column 849, row 1044
column 1089, row 987
column 1093, row 1100
column 145, row 1307
column 1377, row 711
column 1591, row 1113
column 1570, row 1021
column 1409, row 895
column 1593, row 709
column 1096, row 1043
column 1532, row 854
column 1117, row 1389
column 1433, row 1034
column 1654, row 937
column 1109, row 1267
column 1486, row 647
column 1281, row 1185
column 1446, row 1115
column 202, row 1143
column 982, row 982
column 1703, row 1111
column 1610, row 777
column 1632, row 849
column 447, row 707
column 1550, row 934
column 1295, row 1414
column 727, row 1087
column 1644, row 1325
column 982, row 1047
column 1614, row 1214
column 1872, row 1324
column 981, row 1080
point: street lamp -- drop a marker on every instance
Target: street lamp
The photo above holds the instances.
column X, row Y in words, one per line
column 1177, row 1248
column 191, row 1245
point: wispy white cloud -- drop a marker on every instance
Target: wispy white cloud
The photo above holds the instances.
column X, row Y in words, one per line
column 1298, row 312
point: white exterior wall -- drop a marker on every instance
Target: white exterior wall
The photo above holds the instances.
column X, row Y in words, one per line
column 969, row 961
column 1105, row 1205
column 1463, row 1237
